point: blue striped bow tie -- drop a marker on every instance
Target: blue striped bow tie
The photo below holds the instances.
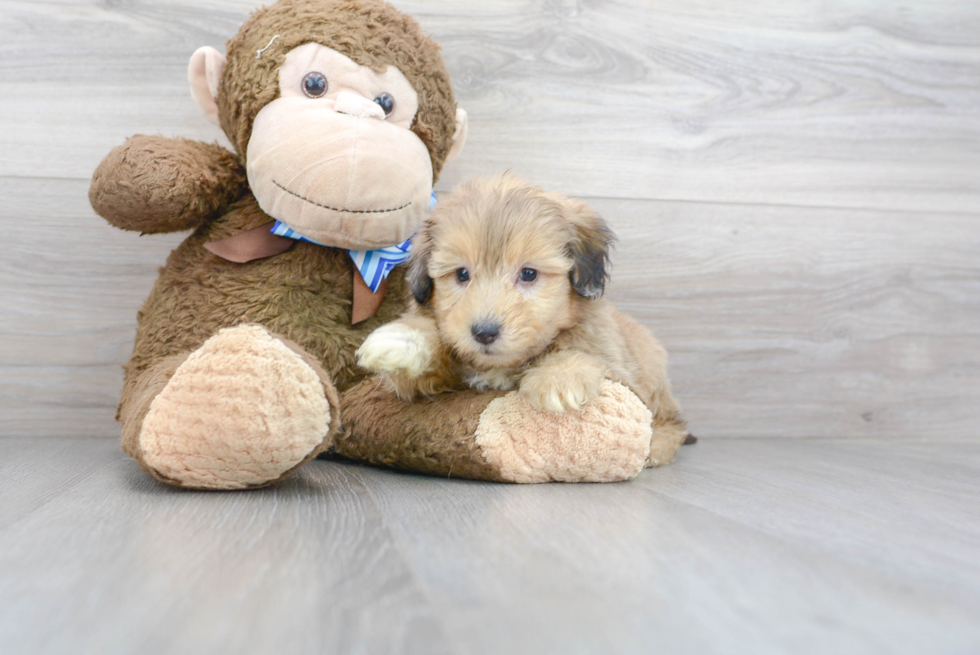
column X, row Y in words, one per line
column 373, row 265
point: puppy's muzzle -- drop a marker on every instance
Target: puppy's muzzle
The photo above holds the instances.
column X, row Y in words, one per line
column 485, row 333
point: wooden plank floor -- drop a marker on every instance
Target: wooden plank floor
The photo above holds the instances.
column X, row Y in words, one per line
column 795, row 186
column 755, row 546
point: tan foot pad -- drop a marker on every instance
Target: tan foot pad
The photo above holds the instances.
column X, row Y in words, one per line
column 241, row 411
column 606, row 441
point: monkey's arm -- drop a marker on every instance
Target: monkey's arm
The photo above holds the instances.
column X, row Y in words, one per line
column 153, row 184
column 492, row 435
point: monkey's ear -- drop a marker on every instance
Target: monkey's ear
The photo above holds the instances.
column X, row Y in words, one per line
column 459, row 136
column 589, row 249
column 204, row 74
column 418, row 270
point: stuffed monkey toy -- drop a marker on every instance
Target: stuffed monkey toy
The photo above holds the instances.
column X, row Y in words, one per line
column 243, row 369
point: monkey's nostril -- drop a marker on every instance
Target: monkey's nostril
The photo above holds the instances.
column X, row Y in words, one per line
column 485, row 333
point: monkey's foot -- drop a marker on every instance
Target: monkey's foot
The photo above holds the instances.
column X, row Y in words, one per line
column 244, row 410
column 607, row 440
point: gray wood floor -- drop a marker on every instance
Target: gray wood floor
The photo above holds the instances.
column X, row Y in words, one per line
column 742, row 546
column 796, row 187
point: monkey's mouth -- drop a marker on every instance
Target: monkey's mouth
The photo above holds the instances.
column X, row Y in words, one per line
column 340, row 209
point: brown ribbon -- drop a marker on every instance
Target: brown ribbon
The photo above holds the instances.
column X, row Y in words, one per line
column 257, row 243
column 366, row 302
column 260, row 242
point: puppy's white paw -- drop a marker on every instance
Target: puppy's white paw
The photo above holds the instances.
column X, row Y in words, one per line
column 558, row 391
column 396, row 349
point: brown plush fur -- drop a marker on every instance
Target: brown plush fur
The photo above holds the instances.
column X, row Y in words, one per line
column 433, row 436
column 153, row 184
column 372, row 33
column 302, row 297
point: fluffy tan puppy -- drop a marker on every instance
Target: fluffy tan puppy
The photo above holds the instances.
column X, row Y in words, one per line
column 508, row 281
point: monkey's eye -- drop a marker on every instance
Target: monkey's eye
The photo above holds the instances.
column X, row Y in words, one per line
column 386, row 102
column 314, row 84
column 462, row 275
column 528, row 275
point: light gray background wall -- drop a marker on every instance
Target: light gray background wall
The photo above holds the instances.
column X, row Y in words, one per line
column 795, row 186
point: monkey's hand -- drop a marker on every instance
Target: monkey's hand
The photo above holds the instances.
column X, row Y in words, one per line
column 153, row 184
column 564, row 380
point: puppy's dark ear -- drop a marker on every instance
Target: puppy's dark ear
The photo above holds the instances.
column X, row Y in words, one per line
column 589, row 249
column 418, row 268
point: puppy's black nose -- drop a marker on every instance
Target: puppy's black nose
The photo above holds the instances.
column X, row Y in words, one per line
column 485, row 332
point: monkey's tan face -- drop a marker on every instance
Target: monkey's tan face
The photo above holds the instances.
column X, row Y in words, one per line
column 501, row 286
column 334, row 156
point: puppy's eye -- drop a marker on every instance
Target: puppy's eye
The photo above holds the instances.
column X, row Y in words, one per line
column 314, row 84
column 528, row 275
column 462, row 275
column 386, row 102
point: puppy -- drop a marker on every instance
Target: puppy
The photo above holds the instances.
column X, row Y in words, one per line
column 508, row 280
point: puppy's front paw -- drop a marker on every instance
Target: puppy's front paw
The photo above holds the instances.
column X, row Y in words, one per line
column 396, row 349
column 558, row 390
